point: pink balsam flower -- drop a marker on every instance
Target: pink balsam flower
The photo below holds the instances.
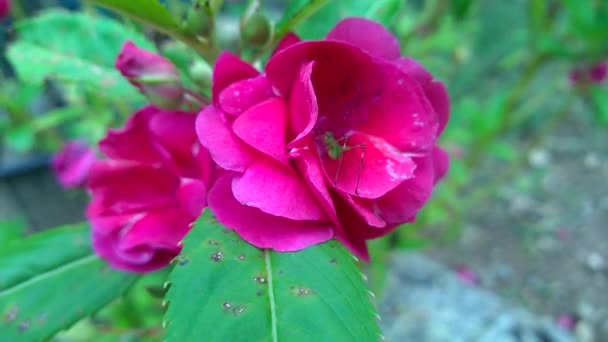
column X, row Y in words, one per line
column 149, row 190
column 336, row 139
column 72, row 163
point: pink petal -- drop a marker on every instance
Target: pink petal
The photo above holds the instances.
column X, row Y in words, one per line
column 159, row 229
column 401, row 113
column 367, row 35
column 435, row 91
column 441, row 163
column 192, row 195
column 303, row 109
column 276, row 190
column 287, row 41
column 369, row 167
column 263, row 128
column 285, row 67
column 176, row 133
column 308, row 164
column 226, row 149
column 261, row 229
column 134, row 141
column 126, row 187
column 242, row 95
column 228, row 69
column 71, row 165
column 403, row 203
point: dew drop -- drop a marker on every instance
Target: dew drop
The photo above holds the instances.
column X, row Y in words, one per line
column 181, row 260
column 227, row 305
column 242, row 257
column 12, row 314
column 333, row 261
column 23, row 326
column 239, row 310
column 260, row 280
column 213, row 243
column 217, row 256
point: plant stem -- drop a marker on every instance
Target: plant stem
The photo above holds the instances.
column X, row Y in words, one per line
column 302, row 14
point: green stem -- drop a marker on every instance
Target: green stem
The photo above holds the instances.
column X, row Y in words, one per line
column 302, row 14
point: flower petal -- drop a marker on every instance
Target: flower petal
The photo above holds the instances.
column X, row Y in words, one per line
column 228, row 69
column 403, row 203
column 368, row 166
column 122, row 187
column 303, row 109
column 175, row 132
column 367, row 35
column 287, row 41
column 263, row 128
column 226, row 149
column 192, row 194
column 441, row 162
column 134, row 141
column 261, row 229
column 276, row 190
column 242, row 95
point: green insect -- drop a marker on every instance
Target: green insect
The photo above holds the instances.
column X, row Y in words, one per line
column 335, row 151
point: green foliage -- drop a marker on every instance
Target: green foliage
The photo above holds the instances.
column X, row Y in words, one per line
column 73, row 48
column 50, row 280
column 150, row 12
column 11, row 230
column 228, row 290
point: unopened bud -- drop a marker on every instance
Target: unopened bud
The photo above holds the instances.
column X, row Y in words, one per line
column 199, row 19
column 201, row 73
column 155, row 76
column 257, row 30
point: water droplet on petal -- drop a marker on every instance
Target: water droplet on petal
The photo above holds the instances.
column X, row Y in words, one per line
column 217, row 256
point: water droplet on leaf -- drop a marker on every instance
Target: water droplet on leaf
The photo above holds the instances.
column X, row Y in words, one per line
column 217, row 256
column 260, row 280
column 227, row 306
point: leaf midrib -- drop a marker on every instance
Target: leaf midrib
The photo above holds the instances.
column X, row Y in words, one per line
column 271, row 300
column 49, row 273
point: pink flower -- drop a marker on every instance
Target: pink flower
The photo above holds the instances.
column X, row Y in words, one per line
column 150, row 189
column 5, row 8
column 337, row 139
column 155, row 76
column 71, row 165
column 467, row 275
column 598, row 72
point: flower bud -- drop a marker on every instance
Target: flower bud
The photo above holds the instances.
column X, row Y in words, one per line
column 257, row 30
column 155, row 76
column 201, row 73
column 5, row 8
column 199, row 19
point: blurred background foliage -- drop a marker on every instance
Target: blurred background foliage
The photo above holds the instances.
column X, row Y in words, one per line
column 516, row 72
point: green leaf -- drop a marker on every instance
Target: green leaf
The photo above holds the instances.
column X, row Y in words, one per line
column 150, row 12
column 11, row 229
column 224, row 289
column 74, row 47
column 599, row 103
column 50, row 280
